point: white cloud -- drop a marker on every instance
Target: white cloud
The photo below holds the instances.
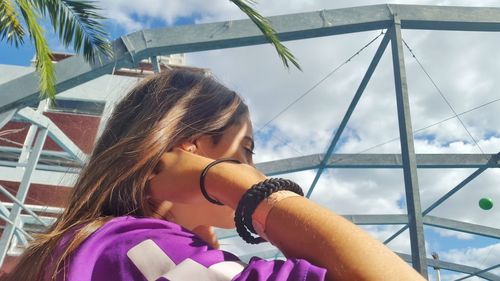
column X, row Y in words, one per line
column 456, row 234
column 477, row 257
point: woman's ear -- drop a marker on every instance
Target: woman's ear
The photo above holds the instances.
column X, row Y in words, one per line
column 188, row 146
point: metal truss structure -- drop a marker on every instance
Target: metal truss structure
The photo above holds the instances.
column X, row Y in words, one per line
column 17, row 94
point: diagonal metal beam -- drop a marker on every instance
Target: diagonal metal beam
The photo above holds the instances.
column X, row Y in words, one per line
column 22, row 192
column 460, row 185
column 4, row 215
column 493, row 159
column 350, row 109
column 22, row 205
column 272, row 253
column 16, row 227
column 30, row 136
column 55, row 133
column 6, row 116
column 480, row 272
column 417, row 240
column 455, row 267
column 139, row 45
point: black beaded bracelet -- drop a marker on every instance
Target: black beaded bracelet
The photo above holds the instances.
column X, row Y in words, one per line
column 204, row 173
column 252, row 198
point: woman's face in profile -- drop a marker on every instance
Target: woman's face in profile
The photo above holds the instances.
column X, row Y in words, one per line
column 236, row 142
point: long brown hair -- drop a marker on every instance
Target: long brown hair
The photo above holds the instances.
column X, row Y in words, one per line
column 159, row 113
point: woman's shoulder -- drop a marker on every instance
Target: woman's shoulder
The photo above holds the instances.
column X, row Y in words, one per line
column 141, row 227
column 127, row 233
column 116, row 249
column 129, row 248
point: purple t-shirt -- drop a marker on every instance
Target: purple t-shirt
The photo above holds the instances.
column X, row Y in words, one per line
column 128, row 248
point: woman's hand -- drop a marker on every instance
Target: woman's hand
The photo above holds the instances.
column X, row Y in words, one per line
column 177, row 179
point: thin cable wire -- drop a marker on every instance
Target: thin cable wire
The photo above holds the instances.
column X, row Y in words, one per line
column 475, row 274
column 481, row 264
column 11, row 141
column 319, row 82
column 442, row 95
column 287, row 143
column 15, row 192
column 422, row 129
column 430, row 125
column 11, row 131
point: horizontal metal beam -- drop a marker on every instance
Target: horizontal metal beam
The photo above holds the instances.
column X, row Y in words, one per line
column 29, row 221
column 130, row 49
column 403, row 219
column 462, row 226
column 65, row 176
column 15, row 152
column 427, row 220
column 37, row 208
column 31, row 225
column 273, row 253
column 309, row 162
column 377, row 219
column 454, row 267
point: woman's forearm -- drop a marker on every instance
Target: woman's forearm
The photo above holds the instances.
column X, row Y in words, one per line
column 303, row 229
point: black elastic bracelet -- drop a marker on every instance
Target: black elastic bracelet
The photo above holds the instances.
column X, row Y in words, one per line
column 252, row 198
column 204, row 173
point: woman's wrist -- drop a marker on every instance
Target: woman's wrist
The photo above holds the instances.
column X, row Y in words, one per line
column 227, row 182
column 259, row 217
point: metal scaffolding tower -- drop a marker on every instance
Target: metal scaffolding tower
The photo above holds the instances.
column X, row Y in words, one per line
column 18, row 93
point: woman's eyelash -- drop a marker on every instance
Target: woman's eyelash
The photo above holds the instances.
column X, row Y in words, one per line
column 249, row 150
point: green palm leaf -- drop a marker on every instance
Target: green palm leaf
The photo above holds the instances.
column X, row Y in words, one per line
column 10, row 27
column 263, row 24
column 44, row 65
column 77, row 23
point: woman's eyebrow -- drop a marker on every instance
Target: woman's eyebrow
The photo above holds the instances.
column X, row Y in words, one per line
column 250, row 139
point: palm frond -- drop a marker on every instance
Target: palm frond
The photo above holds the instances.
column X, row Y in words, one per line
column 44, row 65
column 10, row 26
column 265, row 27
column 77, row 23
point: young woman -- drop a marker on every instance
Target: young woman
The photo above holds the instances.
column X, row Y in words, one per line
column 137, row 211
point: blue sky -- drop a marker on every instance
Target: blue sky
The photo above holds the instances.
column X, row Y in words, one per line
column 16, row 56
